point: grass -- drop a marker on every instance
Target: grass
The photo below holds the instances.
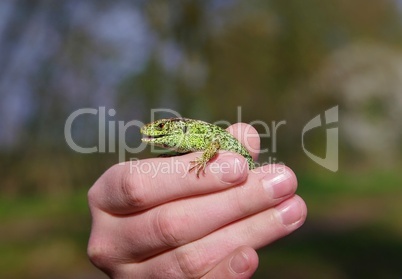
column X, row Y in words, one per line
column 45, row 237
column 353, row 230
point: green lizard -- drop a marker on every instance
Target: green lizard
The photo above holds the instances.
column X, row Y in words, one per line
column 185, row 135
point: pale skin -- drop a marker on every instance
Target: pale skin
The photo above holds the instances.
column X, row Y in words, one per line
column 175, row 225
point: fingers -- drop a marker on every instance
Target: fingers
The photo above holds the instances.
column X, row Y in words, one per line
column 152, row 219
column 240, row 264
column 209, row 213
column 135, row 186
column 248, row 136
column 199, row 257
column 183, row 221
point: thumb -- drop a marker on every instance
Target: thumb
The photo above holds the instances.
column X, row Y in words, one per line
column 240, row 264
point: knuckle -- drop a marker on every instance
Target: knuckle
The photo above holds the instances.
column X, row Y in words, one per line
column 100, row 254
column 91, row 196
column 94, row 194
column 133, row 192
column 190, row 262
column 169, row 229
column 241, row 204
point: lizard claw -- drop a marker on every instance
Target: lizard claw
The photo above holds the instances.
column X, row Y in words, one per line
column 198, row 165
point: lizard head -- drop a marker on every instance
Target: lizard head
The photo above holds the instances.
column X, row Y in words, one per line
column 168, row 132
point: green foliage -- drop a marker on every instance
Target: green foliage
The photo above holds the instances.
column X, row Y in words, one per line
column 44, row 236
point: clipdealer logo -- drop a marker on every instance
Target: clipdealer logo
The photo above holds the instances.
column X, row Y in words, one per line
column 118, row 132
column 331, row 160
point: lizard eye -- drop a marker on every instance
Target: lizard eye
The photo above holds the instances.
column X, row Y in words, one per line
column 160, row 125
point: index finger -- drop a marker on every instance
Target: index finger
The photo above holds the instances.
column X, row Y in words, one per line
column 134, row 186
column 248, row 136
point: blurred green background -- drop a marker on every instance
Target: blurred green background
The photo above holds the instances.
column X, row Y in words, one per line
column 275, row 60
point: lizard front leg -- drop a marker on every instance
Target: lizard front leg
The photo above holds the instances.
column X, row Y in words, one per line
column 200, row 163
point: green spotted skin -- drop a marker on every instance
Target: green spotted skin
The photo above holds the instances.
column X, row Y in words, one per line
column 187, row 135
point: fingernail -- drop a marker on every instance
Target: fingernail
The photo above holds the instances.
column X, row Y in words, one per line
column 279, row 185
column 239, row 263
column 290, row 211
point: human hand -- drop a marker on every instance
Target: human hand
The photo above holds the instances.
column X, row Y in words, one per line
column 155, row 220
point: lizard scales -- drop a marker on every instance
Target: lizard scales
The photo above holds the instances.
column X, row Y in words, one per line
column 185, row 135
